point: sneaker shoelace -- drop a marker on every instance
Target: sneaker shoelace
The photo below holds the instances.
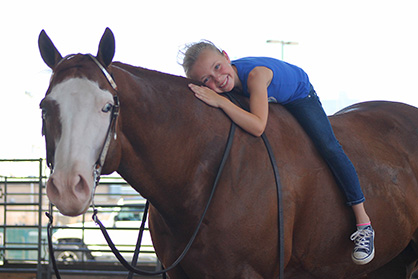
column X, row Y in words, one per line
column 361, row 239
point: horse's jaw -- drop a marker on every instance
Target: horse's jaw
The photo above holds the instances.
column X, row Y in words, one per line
column 70, row 192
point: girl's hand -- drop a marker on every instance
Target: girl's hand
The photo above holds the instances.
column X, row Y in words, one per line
column 207, row 95
column 254, row 121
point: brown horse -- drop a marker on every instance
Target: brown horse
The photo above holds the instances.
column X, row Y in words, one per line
column 169, row 146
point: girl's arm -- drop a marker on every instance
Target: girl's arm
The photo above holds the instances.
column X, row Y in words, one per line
column 254, row 122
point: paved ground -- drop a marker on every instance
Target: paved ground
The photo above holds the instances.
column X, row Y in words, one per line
column 33, row 276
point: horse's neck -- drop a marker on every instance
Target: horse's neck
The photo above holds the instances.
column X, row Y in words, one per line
column 172, row 143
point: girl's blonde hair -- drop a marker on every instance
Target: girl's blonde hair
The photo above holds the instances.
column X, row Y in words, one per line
column 192, row 51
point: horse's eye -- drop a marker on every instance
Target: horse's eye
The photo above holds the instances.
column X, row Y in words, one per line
column 107, row 107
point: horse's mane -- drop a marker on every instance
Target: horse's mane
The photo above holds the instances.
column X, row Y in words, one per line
column 168, row 83
column 152, row 74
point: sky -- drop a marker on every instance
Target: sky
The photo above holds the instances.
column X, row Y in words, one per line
column 356, row 50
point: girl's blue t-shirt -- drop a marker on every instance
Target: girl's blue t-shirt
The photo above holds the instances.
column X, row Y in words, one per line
column 289, row 82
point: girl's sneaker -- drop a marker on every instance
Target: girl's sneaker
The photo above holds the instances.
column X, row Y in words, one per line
column 363, row 239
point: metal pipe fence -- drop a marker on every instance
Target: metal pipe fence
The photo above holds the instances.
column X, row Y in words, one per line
column 23, row 225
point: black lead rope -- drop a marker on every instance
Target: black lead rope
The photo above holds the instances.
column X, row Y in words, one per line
column 139, row 240
column 50, row 248
column 279, row 194
column 279, row 205
column 112, row 246
column 133, row 269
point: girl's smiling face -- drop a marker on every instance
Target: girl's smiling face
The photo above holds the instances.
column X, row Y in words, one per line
column 215, row 71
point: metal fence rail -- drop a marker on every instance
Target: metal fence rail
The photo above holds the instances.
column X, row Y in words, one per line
column 23, row 240
column 9, row 244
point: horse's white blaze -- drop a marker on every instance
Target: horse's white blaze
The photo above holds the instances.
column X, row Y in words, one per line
column 83, row 131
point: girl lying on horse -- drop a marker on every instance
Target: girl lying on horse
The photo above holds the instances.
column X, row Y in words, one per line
column 265, row 80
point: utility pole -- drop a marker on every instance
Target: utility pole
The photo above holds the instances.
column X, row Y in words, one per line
column 282, row 43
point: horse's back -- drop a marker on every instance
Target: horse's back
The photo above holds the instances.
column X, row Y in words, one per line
column 381, row 129
column 382, row 116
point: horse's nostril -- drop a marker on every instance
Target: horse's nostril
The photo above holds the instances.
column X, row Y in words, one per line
column 52, row 189
column 78, row 184
column 81, row 186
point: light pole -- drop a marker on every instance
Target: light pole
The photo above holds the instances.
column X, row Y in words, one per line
column 282, row 43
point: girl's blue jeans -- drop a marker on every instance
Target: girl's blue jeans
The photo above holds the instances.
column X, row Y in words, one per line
column 313, row 119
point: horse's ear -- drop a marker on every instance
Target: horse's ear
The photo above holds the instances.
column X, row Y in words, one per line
column 106, row 48
column 49, row 52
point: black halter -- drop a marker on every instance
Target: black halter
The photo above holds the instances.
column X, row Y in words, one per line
column 97, row 169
